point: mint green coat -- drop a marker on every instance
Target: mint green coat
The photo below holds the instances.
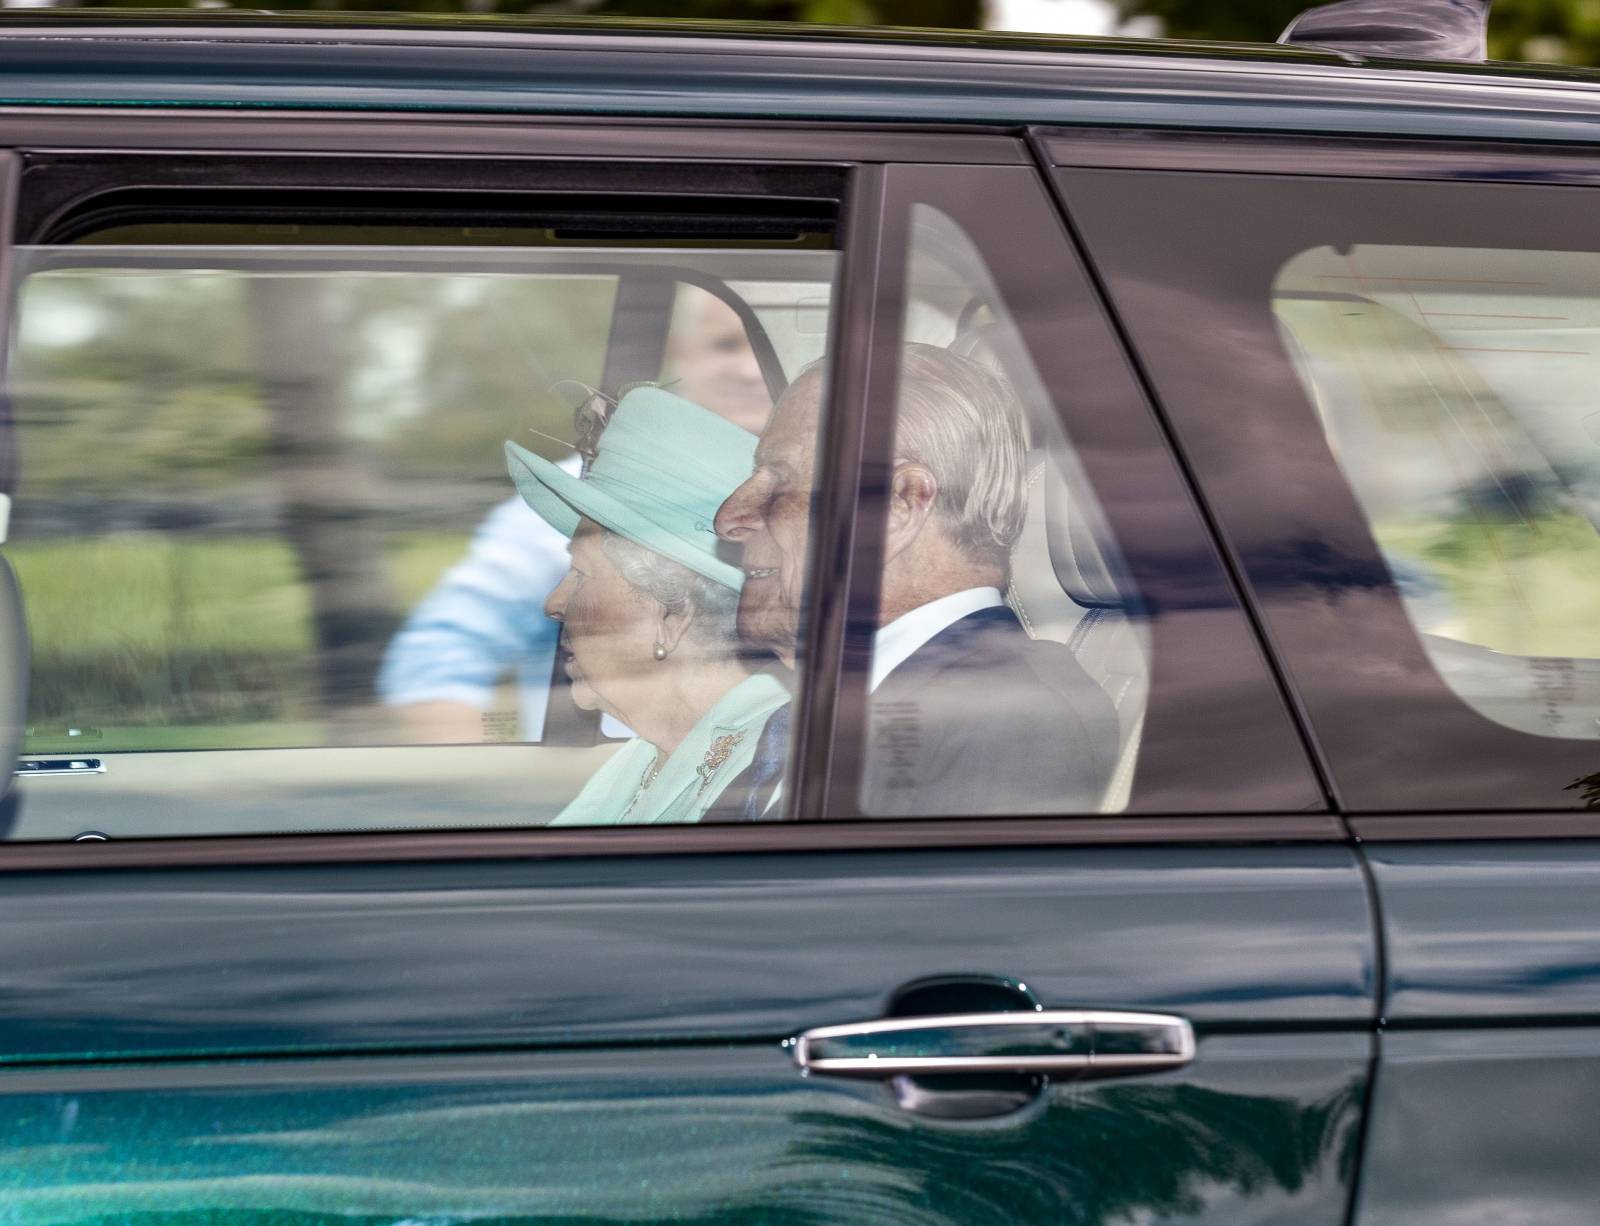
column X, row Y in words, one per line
column 717, row 748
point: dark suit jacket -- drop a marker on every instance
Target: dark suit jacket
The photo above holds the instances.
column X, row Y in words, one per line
column 979, row 720
column 982, row 719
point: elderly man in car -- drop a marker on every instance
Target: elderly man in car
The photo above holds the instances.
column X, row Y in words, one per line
column 969, row 715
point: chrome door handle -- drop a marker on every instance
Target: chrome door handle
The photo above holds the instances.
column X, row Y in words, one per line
column 1082, row 1042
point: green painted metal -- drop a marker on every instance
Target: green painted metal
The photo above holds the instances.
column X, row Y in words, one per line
column 279, row 960
column 1258, row 1130
column 628, row 1018
column 1471, row 1124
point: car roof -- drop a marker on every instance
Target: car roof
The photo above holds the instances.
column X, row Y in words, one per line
column 591, row 66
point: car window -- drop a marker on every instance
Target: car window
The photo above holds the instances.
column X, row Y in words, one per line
column 1455, row 386
column 1383, row 387
column 1011, row 664
column 400, row 529
column 1035, row 619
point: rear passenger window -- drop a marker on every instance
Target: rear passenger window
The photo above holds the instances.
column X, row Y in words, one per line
column 404, row 528
column 1385, row 389
column 1456, row 389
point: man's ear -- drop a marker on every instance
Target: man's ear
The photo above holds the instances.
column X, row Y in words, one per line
column 912, row 490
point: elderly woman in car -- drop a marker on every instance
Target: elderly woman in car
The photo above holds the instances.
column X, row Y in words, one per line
column 648, row 607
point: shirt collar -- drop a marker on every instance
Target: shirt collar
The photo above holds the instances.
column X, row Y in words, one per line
column 895, row 643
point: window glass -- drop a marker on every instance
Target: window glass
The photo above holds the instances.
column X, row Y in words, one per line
column 265, row 505
column 1010, row 667
column 1456, row 389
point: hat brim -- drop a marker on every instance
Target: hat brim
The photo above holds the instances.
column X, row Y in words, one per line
column 561, row 500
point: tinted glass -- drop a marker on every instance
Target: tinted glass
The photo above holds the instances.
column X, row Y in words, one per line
column 266, row 505
column 1011, row 667
column 1383, row 388
column 1055, row 635
column 1456, row 389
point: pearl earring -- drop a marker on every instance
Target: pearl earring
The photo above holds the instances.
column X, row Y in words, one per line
column 660, row 652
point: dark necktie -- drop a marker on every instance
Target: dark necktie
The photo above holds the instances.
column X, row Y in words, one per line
column 766, row 768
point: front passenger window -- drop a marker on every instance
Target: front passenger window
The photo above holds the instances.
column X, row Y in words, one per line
column 402, row 530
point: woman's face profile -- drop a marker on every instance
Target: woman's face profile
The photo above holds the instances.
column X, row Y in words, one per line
column 610, row 626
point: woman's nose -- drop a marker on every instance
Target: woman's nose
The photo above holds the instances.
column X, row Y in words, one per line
column 555, row 604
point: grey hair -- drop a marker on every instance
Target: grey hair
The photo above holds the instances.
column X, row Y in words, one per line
column 675, row 588
column 964, row 424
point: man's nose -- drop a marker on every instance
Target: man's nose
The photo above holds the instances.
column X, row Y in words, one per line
column 736, row 517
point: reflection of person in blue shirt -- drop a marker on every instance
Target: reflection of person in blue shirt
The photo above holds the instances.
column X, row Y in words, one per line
column 485, row 617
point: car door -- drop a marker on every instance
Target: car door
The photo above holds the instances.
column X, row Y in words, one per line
column 333, row 978
column 1398, row 440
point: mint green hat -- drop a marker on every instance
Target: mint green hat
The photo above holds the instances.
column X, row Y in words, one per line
column 662, row 468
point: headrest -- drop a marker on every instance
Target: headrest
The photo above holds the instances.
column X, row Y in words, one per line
column 1075, row 552
column 981, row 344
column 1072, row 535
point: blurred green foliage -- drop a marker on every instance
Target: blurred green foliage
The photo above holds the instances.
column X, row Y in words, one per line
column 1546, row 31
column 163, row 641
column 170, row 600
column 944, row 14
column 1524, row 587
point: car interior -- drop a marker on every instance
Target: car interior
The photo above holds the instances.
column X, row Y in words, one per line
column 1068, row 583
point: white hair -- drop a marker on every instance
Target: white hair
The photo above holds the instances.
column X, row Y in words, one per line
column 676, row 588
column 964, row 424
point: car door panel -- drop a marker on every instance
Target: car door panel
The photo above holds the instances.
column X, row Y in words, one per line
column 1489, row 932
column 362, row 957
column 1493, row 999
column 1483, row 1124
column 635, row 1009
column 1254, row 1131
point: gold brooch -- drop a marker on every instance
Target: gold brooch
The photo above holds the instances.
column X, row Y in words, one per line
column 721, row 750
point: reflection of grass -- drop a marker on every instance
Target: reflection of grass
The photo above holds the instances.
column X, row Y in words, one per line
column 1522, row 587
column 157, row 737
column 156, row 641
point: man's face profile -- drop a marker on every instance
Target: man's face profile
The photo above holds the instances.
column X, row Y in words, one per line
column 770, row 516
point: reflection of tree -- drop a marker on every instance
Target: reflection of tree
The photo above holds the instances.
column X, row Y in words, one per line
column 328, row 494
column 1097, row 1156
column 1113, row 1154
column 962, row 14
column 1587, row 787
column 1561, row 30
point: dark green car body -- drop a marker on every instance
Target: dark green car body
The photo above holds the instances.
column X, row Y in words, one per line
column 1383, row 927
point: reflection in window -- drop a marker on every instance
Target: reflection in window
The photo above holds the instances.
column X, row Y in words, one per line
column 265, row 504
column 1008, row 672
column 1456, row 387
